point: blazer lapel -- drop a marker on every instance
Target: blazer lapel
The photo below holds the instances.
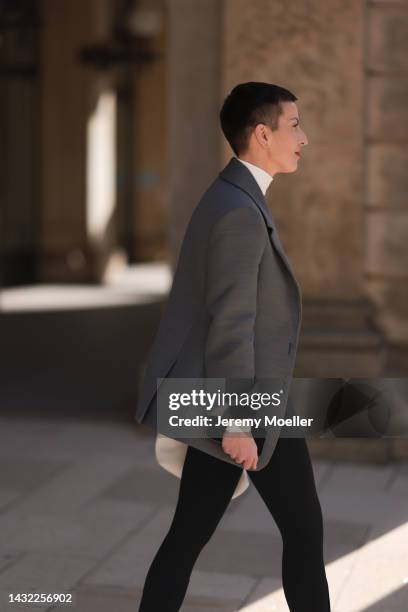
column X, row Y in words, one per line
column 239, row 175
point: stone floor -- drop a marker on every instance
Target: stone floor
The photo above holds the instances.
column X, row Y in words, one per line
column 84, row 506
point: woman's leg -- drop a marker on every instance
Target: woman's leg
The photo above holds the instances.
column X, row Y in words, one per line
column 287, row 486
column 206, row 488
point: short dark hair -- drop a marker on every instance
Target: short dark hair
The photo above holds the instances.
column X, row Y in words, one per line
column 249, row 104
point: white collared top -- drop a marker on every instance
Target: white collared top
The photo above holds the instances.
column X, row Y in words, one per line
column 262, row 177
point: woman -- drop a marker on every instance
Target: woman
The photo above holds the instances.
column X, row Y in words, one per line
column 234, row 311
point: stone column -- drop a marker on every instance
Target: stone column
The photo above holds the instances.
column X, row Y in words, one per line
column 64, row 115
column 150, row 216
column 193, row 69
column 70, row 92
column 19, row 129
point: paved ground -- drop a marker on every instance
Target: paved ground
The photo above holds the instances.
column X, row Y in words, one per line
column 84, row 506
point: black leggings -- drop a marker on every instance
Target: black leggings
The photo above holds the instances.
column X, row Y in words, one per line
column 287, row 487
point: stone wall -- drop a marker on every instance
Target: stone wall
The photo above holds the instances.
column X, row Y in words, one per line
column 386, row 210
column 319, row 210
column 342, row 217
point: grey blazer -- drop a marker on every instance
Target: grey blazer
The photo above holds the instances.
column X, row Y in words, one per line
column 235, row 307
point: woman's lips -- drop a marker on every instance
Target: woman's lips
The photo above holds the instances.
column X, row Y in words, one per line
column 298, row 154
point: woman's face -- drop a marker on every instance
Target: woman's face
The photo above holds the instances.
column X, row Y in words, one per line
column 282, row 147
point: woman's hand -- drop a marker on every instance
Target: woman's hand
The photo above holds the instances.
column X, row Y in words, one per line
column 241, row 447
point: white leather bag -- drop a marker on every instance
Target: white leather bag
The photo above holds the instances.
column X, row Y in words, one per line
column 170, row 455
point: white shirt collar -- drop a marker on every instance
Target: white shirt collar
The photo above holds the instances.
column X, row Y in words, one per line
column 260, row 175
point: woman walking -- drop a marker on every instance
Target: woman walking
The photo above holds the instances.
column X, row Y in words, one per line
column 234, row 311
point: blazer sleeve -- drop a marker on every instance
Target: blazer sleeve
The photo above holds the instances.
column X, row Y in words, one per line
column 235, row 248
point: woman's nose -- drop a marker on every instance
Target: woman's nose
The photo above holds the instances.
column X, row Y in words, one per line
column 304, row 139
